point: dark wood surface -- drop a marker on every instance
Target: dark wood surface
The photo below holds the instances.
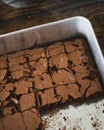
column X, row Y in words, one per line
column 44, row 11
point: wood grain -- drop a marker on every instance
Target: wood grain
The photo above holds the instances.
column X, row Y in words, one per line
column 40, row 12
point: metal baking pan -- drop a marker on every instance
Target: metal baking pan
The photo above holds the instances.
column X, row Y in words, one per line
column 60, row 30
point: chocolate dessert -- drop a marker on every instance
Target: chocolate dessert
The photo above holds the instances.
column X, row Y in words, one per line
column 34, row 79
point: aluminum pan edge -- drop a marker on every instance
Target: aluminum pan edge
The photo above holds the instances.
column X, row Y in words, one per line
column 53, row 31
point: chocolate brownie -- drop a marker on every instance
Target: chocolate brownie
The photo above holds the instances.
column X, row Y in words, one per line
column 35, row 79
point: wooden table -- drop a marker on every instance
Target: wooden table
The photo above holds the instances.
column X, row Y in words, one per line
column 40, row 12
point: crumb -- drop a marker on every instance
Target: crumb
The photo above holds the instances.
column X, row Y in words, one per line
column 64, row 118
column 91, row 118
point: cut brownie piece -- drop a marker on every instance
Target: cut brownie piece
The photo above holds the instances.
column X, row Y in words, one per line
column 77, row 57
column 38, row 67
column 32, row 120
column 94, row 87
column 63, row 77
column 2, row 74
column 10, row 87
column 54, row 49
column 3, row 64
column 58, row 61
column 67, row 92
column 22, row 86
column 35, row 54
column 74, row 45
column 43, row 82
column 27, row 101
column 4, row 95
column 16, row 60
column 47, row 97
column 13, row 122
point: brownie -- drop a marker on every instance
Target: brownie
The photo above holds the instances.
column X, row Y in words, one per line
column 30, row 98
column 43, row 82
column 36, row 79
column 52, row 50
column 59, row 61
column 3, row 74
column 38, row 67
column 32, row 120
column 47, row 97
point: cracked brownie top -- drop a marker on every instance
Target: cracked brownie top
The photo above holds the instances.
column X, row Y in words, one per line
column 36, row 78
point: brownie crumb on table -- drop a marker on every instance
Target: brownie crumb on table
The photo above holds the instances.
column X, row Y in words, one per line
column 33, row 79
